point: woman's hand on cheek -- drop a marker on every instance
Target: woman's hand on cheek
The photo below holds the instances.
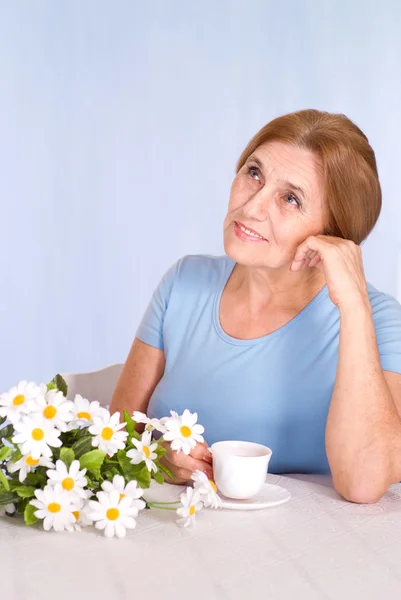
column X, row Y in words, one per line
column 341, row 262
column 182, row 465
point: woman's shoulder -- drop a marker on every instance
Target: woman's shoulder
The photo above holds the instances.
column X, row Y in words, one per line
column 200, row 269
column 384, row 306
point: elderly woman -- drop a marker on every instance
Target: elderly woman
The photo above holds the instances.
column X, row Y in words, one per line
column 282, row 341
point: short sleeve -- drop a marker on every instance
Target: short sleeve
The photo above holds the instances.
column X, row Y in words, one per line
column 150, row 329
column 387, row 320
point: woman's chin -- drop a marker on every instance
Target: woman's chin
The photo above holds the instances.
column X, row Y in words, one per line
column 252, row 256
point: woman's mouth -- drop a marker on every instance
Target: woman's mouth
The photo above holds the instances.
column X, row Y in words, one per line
column 247, row 235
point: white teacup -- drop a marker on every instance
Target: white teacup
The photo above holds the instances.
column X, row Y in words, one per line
column 240, row 468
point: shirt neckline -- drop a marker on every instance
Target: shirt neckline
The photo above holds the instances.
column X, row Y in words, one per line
column 228, row 269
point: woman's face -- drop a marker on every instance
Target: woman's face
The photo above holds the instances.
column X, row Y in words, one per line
column 277, row 194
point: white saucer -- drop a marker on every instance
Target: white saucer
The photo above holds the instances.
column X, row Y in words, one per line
column 269, row 496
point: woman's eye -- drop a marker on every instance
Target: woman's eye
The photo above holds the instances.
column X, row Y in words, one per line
column 291, row 199
column 253, row 171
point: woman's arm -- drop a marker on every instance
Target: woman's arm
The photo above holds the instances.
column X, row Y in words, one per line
column 141, row 373
column 363, row 430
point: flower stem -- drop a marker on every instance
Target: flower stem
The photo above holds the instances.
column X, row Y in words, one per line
column 162, row 505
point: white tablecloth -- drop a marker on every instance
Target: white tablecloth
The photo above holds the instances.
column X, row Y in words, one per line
column 317, row 546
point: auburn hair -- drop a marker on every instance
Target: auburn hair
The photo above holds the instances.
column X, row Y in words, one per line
column 350, row 179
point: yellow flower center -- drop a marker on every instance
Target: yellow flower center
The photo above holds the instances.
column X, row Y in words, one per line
column 54, row 507
column 192, row 510
column 76, row 514
column 212, row 483
column 148, row 427
column 18, row 400
column 38, row 434
column 112, row 514
column 185, row 431
column 31, row 462
column 121, row 497
column 68, row 483
column 146, row 451
column 50, row 411
column 84, row 415
column 107, row 433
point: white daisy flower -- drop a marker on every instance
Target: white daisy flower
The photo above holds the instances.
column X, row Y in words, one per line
column 72, row 480
column 113, row 515
column 81, row 516
column 84, row 412
column 131, row 490
column 55, row 508
column 27, row 464
column 191, row 503
column 108, row 438
column 151, row 424
column 207, row 489
column 183, row 432
column 18, row 400
column 35, row 435
column 145, row 451
column 55, row 408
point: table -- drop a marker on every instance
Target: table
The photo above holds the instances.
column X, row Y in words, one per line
column 317, row 546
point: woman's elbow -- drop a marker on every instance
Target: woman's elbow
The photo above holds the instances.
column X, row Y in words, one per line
column 360, row 492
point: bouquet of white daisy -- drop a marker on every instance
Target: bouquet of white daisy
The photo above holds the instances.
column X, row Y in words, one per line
column 70, row 463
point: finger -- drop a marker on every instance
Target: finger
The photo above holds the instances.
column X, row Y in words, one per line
column 202, row 452
column 179, row 474
column 184, row 461
column 182, row 472
column 298, row 265
column 306, row 261
column 314, row 261
column 311, row 255
column 312, row 243
column 302, row 251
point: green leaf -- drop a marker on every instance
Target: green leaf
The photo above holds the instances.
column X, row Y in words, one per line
column 59, row 383
column 51, row 386
column 8, row 498
column 83, row 445
column 2, row 420
column 5, row 453
column 29, row 516
column 158, row 477
column 16, row 455
column 160, row 451
column 130, row 426
column 4, row 481
column 138, row 472
column 108, row 471
column 7, row 432
column 129, row 422
column 67, row 456
column 36, row 478
column 92, row 461
column 166, row 471
column 143, row 476
column 25, row 491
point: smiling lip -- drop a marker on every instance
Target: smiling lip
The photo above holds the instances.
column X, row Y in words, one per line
column 242, row 235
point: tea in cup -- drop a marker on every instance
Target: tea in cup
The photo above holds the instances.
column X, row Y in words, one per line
column 240, row 468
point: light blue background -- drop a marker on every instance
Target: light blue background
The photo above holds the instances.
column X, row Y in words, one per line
column 120, row 125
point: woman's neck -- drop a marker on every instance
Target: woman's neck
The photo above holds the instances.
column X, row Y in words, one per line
column 260, row 288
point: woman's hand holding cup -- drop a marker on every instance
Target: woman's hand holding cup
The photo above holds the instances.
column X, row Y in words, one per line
column 182, row 465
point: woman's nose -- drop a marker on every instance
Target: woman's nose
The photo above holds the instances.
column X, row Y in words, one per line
column 258, row 206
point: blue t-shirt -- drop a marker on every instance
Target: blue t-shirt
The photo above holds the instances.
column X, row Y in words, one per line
column 274, row 390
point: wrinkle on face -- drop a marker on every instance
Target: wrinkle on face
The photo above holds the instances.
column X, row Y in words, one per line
column 261, row 202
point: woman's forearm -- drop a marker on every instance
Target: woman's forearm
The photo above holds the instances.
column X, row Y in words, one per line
column 363, row 431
